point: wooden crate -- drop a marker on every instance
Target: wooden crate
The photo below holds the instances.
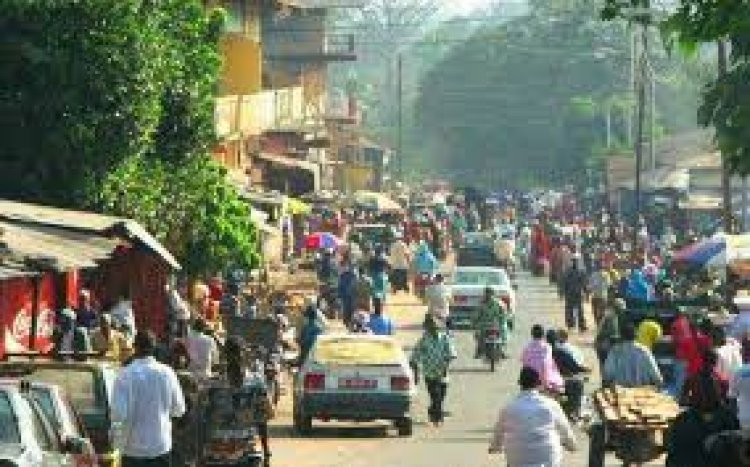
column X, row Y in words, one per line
column 636, row 407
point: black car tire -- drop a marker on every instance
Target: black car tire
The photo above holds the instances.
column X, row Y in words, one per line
column 302, row 423
column 405, row 426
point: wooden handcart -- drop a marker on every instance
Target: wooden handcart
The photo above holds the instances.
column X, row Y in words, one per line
column 632, row 424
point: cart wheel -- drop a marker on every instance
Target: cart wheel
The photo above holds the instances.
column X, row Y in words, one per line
column 405, row 426
column 302, row 424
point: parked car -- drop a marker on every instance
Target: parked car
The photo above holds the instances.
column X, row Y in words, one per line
column 27, row 437
column 57, row 408
column 477, row 249
column 468, row 286
column 89, row 385
column 354, row 377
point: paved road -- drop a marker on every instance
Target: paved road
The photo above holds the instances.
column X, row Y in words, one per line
column 474, row 398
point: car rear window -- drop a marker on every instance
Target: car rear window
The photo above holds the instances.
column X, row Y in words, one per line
column 480, row 278
column 348, row 351
column 79, row 384
column 8, row 427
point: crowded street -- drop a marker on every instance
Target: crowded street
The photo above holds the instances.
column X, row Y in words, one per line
column 375, row 233
column 474, row 400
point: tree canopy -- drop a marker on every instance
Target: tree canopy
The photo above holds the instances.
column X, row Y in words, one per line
column 112, row 105
column 525, row 101
column 726, row 100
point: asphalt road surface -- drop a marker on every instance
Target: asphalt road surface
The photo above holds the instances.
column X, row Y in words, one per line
column 474, row 398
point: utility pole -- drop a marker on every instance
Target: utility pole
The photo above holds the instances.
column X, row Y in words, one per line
column 726, row 176
column 400, row 97
column 641, row 108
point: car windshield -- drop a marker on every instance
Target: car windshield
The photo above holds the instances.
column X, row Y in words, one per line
column 348, row 351
column 478, row 241
column 9, row 433
column 480, row 278
column 79, row 383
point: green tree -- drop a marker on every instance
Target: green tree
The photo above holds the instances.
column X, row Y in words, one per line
column 81, row 92
column 112, row 104
column 528, row 98
column 726, row 100
column 189, row 206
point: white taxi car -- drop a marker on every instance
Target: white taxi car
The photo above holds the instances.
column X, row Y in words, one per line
column 467, row 291
column 354, row 377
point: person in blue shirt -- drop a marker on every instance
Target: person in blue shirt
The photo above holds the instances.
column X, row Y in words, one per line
column 379, row 324
column 638, row 287
column 424, row 261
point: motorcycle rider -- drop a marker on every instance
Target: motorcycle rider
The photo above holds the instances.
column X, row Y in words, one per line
column 491, row 315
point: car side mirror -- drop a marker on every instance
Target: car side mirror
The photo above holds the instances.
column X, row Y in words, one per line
column 76, row 446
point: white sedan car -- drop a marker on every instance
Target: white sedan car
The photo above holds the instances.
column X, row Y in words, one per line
column 467, row 291
column 354, row 377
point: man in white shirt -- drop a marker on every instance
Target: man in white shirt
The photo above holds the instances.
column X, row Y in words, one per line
column 532, row 430
column 202, row 349
column 147, row 395
column 438, row 297
column 123, row 315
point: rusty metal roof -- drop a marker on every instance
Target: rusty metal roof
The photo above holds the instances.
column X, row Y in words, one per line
column 64, row 249
column 94, row 232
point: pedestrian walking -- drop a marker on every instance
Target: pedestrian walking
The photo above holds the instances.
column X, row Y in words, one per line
column 598, row 286
column 347, row 292
column 631, row 364
column 439, row 297
column 202, row 349
column 147, row 395
column 532, row 430
column 573, row 287
column 432, row 354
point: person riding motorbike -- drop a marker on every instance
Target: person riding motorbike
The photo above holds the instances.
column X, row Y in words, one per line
column 492, row 314
column 572, row 370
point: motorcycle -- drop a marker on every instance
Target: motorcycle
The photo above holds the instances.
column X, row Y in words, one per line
column 493, row 347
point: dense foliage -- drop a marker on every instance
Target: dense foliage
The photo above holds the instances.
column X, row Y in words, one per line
column 525, row 102
column 726, row 100
column 111, row 108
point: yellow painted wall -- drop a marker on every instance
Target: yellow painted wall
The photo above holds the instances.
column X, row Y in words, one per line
column 242, row 65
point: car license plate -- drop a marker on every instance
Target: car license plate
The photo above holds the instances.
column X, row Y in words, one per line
column 357, row 383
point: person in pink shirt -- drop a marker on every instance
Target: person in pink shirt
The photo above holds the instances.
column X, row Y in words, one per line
column 538, row 355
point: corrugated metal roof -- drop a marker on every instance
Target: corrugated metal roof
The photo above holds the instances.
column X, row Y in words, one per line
column 69, row 249
column 84, row 223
